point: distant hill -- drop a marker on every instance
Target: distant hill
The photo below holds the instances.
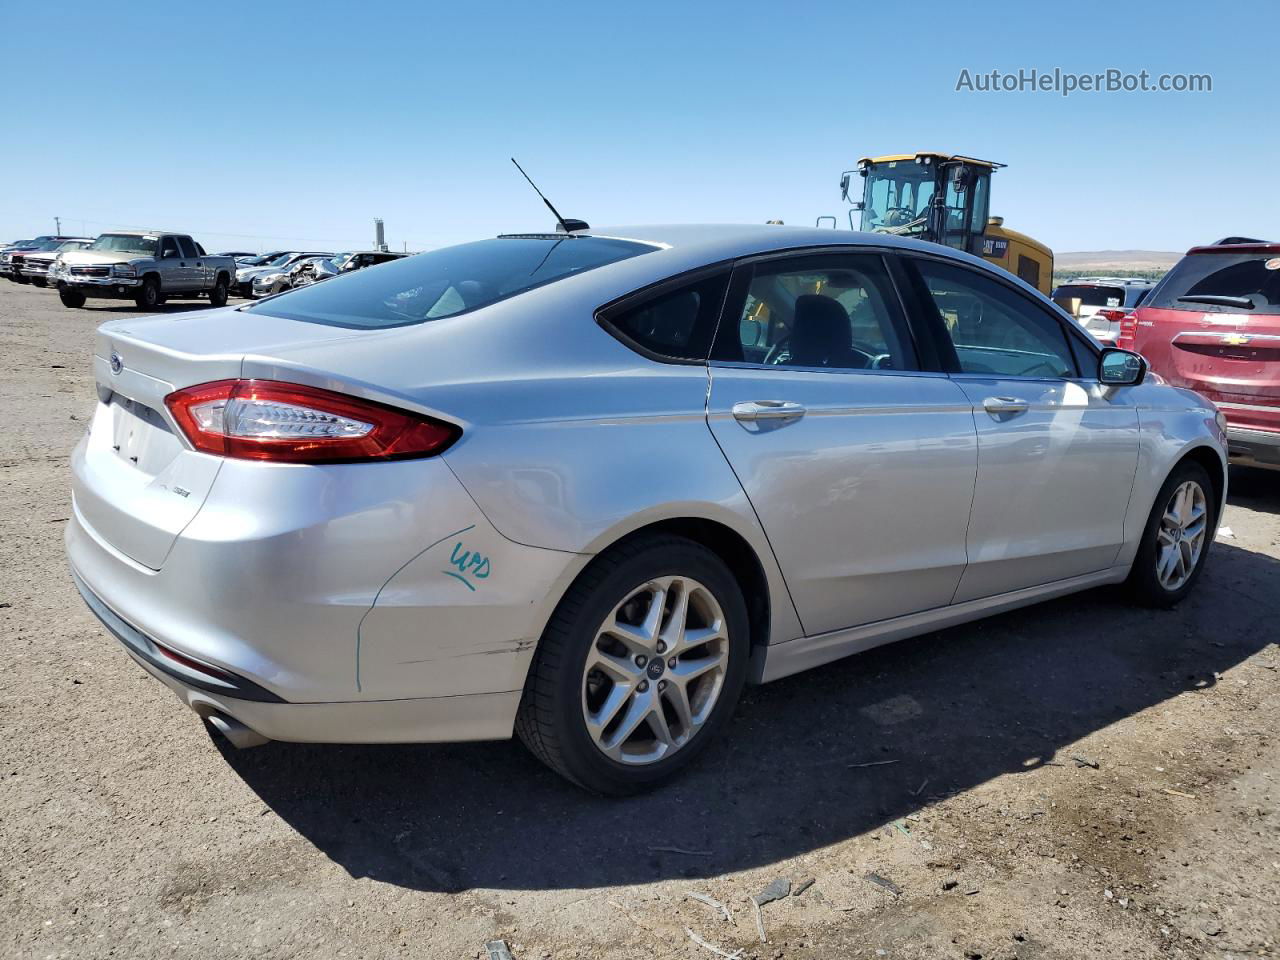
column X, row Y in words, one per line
column 1102, row 260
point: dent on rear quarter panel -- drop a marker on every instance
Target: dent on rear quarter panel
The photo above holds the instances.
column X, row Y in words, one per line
column 461, row 617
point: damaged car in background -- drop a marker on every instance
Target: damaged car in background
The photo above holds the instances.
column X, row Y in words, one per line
column 33, row 266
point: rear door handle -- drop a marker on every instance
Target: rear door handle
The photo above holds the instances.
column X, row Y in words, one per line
column 1005, row 405
column 752, row 410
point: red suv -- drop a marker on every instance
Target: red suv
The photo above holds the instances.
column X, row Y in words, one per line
column 1213, row 324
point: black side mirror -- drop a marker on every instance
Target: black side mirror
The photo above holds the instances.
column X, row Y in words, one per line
column 1121, row 368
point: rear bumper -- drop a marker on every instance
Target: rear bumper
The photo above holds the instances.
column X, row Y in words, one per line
column 1257, row 448
column 477, row 716
column 486, row 716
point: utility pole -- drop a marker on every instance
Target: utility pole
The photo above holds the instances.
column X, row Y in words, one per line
column 57, row 229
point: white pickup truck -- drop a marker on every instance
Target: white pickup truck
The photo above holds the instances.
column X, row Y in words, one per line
column 146, row 267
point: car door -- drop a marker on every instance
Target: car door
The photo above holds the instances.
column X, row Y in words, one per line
column 1057, row 451
column 198, row 276
column 174, row 268
column 860, row 467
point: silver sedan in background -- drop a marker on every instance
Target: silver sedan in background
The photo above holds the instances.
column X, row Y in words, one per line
column 585, row 486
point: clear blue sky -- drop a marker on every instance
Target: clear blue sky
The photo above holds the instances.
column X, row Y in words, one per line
column 257, row 125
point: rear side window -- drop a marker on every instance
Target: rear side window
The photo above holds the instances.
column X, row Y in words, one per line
column 1243, row 282
column 448, row 282
column 676, row 323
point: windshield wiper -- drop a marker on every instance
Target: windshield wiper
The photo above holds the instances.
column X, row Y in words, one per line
column 1220, row 301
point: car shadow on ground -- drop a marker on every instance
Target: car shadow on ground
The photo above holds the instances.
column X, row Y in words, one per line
column 952, row 710
column 126, row 306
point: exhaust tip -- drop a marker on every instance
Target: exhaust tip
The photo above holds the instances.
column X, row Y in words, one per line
column 236, row 733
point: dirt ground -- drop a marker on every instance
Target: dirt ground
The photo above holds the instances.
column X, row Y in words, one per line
column 944, row 765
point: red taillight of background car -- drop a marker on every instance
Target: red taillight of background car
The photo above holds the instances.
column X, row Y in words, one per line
column 1128, row 331
column 290, row 423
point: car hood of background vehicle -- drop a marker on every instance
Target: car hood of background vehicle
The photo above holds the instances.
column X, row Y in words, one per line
column 84, row 258
column 250, row 273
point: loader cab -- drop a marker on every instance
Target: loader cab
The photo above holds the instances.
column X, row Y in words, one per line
column 930, row 196
column 944, row 199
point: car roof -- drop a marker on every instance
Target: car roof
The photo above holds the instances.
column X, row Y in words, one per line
column 743, row 239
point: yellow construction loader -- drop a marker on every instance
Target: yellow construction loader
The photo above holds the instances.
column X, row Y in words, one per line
column 946, row 199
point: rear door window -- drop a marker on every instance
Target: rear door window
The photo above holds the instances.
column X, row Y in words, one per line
column 825, row 311
column 188, row 248
column 1226, row 282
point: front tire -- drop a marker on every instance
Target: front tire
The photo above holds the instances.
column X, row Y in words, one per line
column 149, row 297
column 1175, row 542
column 640, row 667
column 71, row 298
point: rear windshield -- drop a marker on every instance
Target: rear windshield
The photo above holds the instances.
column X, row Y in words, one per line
column 447, row 282
column 1254, row 277
column 1091, row 295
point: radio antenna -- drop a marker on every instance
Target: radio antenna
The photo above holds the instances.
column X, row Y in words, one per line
column 568, row 226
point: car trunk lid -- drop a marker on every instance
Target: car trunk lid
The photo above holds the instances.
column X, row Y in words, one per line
column 136, row 483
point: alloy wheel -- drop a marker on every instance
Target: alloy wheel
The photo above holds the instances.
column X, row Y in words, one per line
column 655, row 670
column 1181, row 536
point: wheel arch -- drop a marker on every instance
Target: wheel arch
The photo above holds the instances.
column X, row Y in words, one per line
column 1214, row 465
column 735, row 552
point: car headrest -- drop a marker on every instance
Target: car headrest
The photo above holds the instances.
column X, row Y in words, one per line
column 822, row 337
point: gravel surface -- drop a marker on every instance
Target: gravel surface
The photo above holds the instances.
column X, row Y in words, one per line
column 1077, row 779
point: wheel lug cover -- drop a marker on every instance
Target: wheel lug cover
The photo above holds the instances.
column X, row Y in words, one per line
column 662, row 684
column 671, row 664
column 643, row 686
column 641, row 660
column 662, row 647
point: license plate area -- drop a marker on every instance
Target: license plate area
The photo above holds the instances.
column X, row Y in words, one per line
column 140, row 436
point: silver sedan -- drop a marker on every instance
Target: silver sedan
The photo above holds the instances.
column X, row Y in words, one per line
column 585, row 487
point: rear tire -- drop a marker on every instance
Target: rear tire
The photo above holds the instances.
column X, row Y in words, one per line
column 40, row 281
column 71, row 298
column 149, row 297
column 1175, row 543
column 669, row 707
column 218, row 295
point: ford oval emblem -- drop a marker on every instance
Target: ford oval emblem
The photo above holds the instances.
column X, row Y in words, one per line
column 117, row 362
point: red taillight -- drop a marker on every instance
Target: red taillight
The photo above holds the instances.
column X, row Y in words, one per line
column 1128, row 331
column 1110, row 314
column 290, row 423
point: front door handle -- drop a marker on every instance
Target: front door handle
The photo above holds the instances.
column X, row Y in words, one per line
column 1008, row 406
column 752, row 410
